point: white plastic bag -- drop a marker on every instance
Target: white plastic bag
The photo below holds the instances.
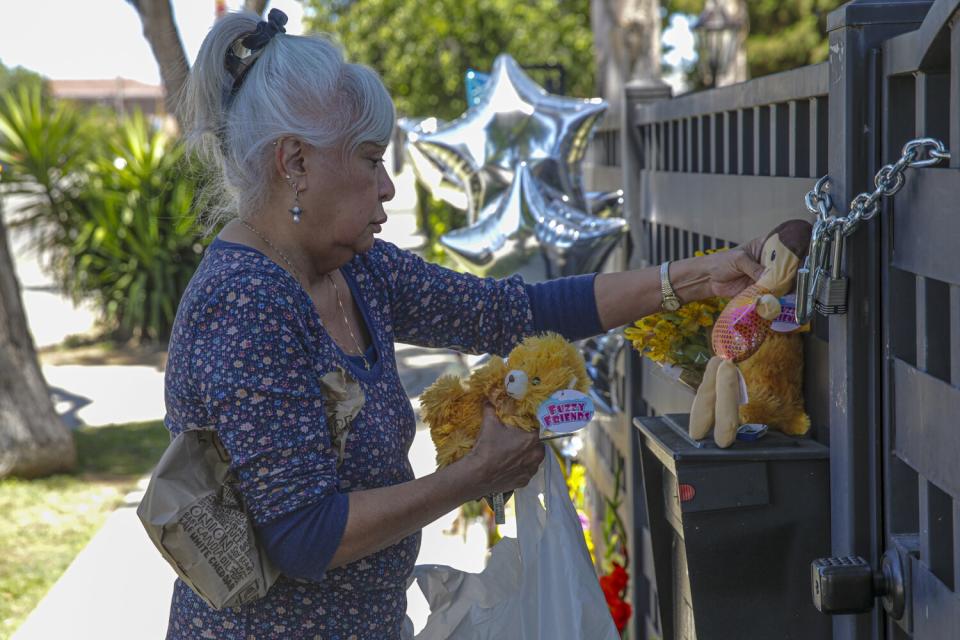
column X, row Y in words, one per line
column 539, row 585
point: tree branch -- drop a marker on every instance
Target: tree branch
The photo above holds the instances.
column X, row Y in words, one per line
column 161, row 33
column 256, row 6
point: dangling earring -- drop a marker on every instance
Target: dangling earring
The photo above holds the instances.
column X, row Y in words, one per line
column 295, row 210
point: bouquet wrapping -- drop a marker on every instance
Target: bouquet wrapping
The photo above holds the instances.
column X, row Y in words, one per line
column 679, row 341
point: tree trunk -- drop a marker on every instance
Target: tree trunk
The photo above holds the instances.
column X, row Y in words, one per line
column 736, row 70
column 33, row 440
column 161, row 33
column 627, row 44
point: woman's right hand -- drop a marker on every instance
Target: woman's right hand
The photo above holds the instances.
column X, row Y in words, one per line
column 503, row 458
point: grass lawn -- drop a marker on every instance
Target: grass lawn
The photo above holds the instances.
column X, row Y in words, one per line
column 46, row 522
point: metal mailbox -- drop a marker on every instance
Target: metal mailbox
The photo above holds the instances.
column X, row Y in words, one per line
column 733, row 532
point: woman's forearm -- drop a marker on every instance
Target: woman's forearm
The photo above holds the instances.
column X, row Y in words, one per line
column 628, row 295
column 381, row 517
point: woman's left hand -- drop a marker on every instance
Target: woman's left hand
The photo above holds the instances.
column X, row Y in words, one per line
column 724, row 274
column 732, row 271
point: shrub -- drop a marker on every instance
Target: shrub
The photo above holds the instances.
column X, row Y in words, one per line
column 136, row 251
column 109, row 203
column 45, row 149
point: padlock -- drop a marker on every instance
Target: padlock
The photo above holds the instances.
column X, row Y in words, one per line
column 808, row 275
column 831, row 291
column 803, row 310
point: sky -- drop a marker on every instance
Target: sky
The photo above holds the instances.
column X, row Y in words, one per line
column 681, row 50
column 99, row 39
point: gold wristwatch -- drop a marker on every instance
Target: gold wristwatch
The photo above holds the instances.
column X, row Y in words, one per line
column 669, row 300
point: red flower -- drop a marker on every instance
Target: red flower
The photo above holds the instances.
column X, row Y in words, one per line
column 619, row 577
column 610, row 591
column 620, row 611
column 614, row 586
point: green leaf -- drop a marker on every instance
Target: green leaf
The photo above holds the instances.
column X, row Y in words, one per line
column 422, row 51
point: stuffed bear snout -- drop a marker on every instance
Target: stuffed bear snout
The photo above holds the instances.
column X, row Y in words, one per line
column 516, row 384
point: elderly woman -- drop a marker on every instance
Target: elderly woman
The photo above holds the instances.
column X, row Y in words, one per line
column 296, row 286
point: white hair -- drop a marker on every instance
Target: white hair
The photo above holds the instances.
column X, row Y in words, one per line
column 298, row 86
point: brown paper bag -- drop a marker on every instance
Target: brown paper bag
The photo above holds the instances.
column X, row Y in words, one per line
column 193, row 514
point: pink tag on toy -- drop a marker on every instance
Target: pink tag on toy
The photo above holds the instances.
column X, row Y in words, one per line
column 786, row 322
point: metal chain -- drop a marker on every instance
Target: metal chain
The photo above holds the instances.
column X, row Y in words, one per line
column 922, row 152
column 831, row 230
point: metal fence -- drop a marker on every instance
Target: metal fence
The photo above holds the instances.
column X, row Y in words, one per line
column 882, row 383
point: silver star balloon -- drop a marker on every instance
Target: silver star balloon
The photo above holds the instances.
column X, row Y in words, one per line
column 442, row 184
column 517, row 156
column 574, row 242
column 605, row 204
column 438, row 168
column 526, row 223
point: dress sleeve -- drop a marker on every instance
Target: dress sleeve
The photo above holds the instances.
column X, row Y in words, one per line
column 301, row 544
column 261, row 390
column 566, row 306
column 432, row 306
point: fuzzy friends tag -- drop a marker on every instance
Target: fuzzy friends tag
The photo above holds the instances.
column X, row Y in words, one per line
column 563, row 413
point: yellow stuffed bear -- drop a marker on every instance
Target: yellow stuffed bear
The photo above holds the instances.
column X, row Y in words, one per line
column 515, row 387
column 774, row 379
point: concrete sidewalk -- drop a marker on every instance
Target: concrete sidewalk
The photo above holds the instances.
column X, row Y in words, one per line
column 119, row 587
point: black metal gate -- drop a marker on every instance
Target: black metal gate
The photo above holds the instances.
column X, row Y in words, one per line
column 920, row 319
column 882, row 383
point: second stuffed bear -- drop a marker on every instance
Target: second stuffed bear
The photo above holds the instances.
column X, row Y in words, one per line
column 516, row 387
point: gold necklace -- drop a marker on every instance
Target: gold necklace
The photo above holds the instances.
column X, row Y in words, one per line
column 281, row 254
column 343, row 313
column 296, row 274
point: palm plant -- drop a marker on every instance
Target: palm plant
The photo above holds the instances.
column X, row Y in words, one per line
column 136, row 251
column 45, row 149
column 110, row 206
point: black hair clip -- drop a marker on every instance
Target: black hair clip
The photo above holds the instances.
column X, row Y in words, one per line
column 266, row 30
column 244, row 52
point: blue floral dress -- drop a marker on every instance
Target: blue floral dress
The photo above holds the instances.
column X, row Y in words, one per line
column 246, row 355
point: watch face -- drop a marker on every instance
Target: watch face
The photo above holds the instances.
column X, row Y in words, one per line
column 671, row 304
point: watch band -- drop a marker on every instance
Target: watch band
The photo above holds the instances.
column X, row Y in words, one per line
column 668, row 297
